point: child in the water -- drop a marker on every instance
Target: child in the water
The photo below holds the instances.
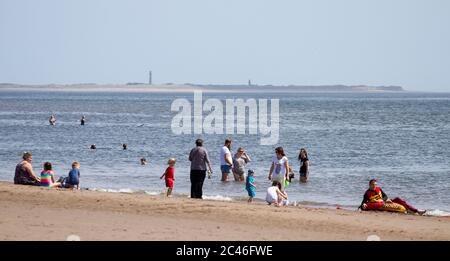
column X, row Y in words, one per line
column 250, row 186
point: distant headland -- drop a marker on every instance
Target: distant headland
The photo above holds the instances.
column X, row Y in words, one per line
column 189, row 87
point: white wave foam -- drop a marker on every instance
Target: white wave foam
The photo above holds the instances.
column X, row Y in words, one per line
column 126, row 191
column 218, row 198
column 113, row 190
column 437, row 213
column 152, row 193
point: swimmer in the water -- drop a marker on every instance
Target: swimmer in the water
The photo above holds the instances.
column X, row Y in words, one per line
column 143, row 161
column 52, row 120
column 124, row 146
column 93, row 147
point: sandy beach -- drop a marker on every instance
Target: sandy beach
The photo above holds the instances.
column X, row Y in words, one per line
column 35, row 213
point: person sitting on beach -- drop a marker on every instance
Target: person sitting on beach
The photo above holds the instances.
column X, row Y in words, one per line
column 143, row 161
column 52, row 120
column 240, row 159
column 24, row 173
column 250, row 186
column 375, row 199
column 169, row 175
column 279, row 169
column 275, row 195
column 226, row 162
column 304, row 165
column 73, row 179
column 48, row 177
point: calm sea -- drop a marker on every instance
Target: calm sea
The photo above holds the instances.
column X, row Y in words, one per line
column 401, row 139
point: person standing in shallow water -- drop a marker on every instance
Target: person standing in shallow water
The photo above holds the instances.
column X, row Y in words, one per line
column 304, row 165
column 279, row 169
column 240, row 159
column 83, row 120
column 226, row 162
column 199, row 159
column 250, row 186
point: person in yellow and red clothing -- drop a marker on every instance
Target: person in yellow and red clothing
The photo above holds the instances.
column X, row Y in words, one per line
column 376, row 199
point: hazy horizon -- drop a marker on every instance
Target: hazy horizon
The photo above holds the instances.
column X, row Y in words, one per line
column 350, row 42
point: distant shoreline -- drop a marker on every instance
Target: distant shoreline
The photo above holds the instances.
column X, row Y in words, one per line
column 136, row 87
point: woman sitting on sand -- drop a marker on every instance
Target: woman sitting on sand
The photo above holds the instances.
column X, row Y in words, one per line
column 275, row 195
column 24, row 173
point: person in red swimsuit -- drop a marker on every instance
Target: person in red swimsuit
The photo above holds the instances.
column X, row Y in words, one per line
column 169, row 175
column 375, row 198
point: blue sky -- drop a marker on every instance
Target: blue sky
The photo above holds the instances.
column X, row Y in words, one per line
column 381, row 42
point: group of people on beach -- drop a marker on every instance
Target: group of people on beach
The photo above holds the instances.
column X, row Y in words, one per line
column 280, row 175
column 25, row 175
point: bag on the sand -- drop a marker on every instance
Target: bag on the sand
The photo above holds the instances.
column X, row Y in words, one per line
column 63, row 181
column 393, row 207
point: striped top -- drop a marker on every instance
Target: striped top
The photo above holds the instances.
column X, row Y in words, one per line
column 46, row 178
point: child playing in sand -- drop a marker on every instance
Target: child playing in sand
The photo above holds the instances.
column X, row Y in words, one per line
column 249, row 186
column 48, row 177
column 73, row 180
column 275, row 195
column 169, row 175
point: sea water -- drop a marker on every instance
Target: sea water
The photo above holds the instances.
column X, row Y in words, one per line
column 401, row 139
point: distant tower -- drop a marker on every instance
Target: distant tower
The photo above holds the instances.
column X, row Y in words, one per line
column 150, row 77
column 249, row 83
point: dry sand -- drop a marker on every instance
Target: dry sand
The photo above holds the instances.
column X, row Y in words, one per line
column 35, row 213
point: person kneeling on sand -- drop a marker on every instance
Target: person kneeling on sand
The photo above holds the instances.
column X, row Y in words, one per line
column 48, row 177
column 169, row 175
column 275, row 195
column 73, row 179
column 376, row 199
